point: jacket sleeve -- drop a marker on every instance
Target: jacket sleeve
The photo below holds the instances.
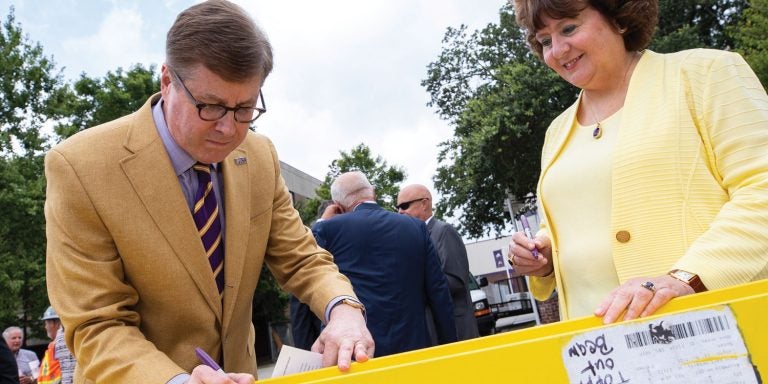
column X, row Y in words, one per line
column 542, row 287
column 438, row 295
column 730, row 108
column 299, row 265
column 451, row 251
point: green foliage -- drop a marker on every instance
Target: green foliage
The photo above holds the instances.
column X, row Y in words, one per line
column 500, row 100
column 685, row 24
column 30, row 91
column 383, row 177
column 101, row 100
column 269, row 300
column 22, row 242
column 751, row 37
column 31, row 95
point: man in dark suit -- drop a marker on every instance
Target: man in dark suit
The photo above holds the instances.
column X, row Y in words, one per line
column 9, row 373
column 392, row 265
column 416, row 201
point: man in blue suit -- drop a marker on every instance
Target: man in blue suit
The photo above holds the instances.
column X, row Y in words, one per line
column 392, row 265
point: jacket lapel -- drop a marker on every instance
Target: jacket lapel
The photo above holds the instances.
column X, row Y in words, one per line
column 153, row 179
column 237, row 197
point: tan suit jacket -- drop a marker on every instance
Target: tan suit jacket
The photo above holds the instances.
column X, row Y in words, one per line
column 126, row 269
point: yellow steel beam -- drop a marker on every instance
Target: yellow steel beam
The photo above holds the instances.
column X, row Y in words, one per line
column 536, row 354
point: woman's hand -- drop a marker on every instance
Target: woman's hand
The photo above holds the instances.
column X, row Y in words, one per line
column 521, row 257
column 640, row 297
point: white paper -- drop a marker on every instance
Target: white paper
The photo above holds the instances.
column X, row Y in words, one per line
column 702, row 346
column 294, row 360
column 34, row 367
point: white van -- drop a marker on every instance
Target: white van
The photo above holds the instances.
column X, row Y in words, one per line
column 486, row 321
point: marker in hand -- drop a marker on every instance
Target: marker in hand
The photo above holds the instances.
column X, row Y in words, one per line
column 207, row 360
column 527, row 229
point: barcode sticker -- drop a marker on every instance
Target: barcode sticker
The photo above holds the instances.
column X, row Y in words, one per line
column 696, row 346
column 665, row 333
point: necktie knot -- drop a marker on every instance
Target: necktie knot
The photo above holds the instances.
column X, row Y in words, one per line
column 202, row 167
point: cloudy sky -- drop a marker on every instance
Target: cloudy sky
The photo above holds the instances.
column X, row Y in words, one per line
column 346, row 71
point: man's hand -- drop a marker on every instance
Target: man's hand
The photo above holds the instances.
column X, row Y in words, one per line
column 345, row 337
column 203, row 374
column 331, row 211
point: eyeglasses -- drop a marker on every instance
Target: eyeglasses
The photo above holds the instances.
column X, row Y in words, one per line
column 405, row 205
column 213, row 112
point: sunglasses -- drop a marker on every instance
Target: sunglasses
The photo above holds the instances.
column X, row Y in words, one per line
column 405, row 205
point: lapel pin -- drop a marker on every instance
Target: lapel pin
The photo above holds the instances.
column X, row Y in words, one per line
column 240, row 160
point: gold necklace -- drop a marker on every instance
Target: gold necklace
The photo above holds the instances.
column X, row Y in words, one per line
column 597, row 133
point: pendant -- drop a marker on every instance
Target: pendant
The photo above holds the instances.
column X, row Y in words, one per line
column 598, row 132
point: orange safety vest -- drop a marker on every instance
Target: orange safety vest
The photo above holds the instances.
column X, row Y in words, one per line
column 50, row 370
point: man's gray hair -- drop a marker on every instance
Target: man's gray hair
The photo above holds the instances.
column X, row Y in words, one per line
column 350, row 188
column 9, row 330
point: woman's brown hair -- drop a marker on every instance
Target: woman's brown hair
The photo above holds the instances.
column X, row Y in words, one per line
column 636, row 18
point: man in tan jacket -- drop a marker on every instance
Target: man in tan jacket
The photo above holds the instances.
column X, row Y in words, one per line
column 135, row 285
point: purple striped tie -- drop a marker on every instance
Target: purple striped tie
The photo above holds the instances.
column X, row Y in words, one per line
column 206, row 215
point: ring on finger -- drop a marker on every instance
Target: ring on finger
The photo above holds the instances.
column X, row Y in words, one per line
column 649, row 286
column 512, row 260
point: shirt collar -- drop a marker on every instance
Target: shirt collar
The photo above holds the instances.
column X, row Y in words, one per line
column 180, row 159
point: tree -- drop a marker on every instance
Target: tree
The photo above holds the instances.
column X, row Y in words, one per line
column 383, row 177
column 750, row 38
column 685, row 24
column 500, row 99
column 101, row 100
column 32, row 94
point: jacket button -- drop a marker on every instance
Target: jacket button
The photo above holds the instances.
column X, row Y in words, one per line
column 622, row 236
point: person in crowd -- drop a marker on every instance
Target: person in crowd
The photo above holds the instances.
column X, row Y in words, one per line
column 26, row 360
column 654, row 183
column 50, row 368
column 305, row 326
column 392, row 264
column 58, row 364
column 159, row 223
column 67, row 361
column 9, row 371
column 416, row 201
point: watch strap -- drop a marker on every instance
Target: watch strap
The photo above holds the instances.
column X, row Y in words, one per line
column 689, row 278
column 352, row 303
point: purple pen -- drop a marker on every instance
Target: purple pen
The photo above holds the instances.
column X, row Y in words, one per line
column 527, row 229
column 207, row 360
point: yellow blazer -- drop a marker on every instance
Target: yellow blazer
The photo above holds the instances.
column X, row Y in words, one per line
column 689, row 174
column 127, row 272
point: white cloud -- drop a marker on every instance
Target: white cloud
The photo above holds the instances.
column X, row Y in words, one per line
column 118, row 42
column 360, row 62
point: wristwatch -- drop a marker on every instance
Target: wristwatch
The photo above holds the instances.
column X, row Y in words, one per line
column 689, row 278
column 352, row 303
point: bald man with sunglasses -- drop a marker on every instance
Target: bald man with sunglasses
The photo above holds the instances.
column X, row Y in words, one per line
column 416, row 201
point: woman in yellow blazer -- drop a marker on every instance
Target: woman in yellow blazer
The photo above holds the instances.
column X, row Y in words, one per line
column 654, row 182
